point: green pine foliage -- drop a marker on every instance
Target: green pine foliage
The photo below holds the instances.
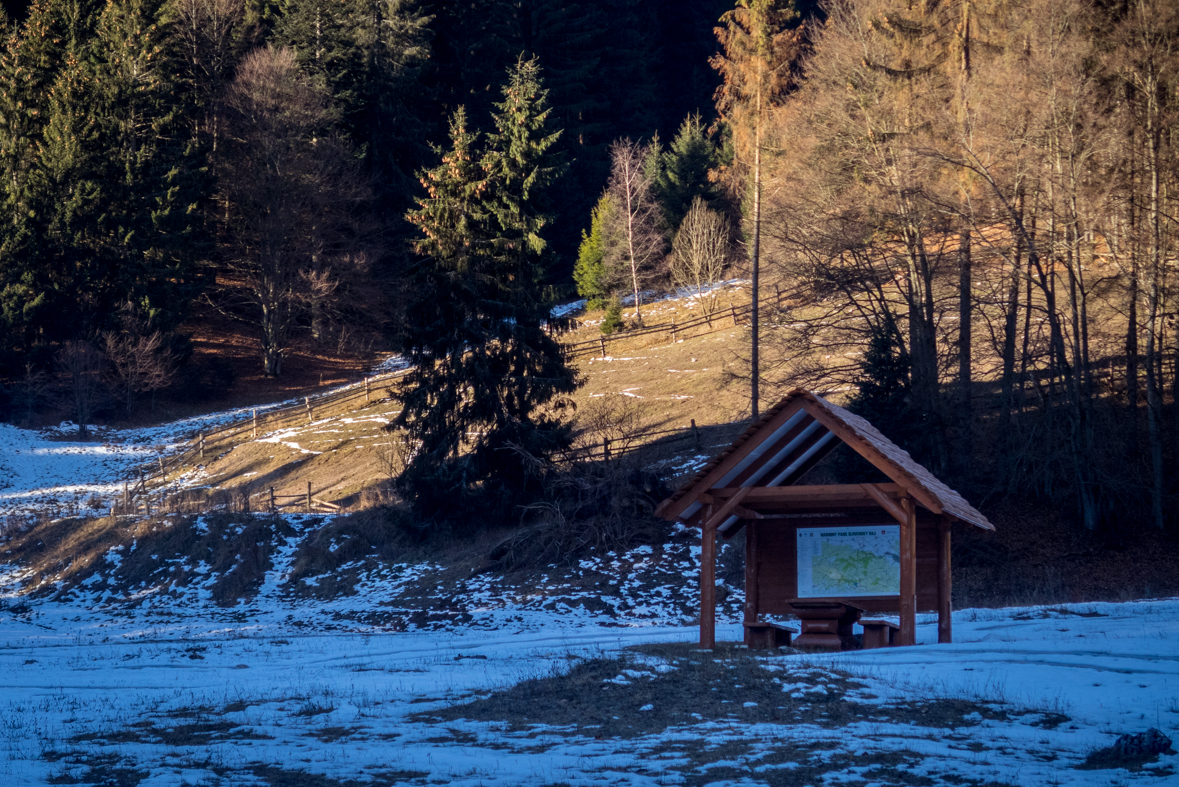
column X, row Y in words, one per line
column 612, row 322
column 685, row 172
column 101, row 184
column 370, row 58
column 884, row 395
column 484, row 368
column 590, row 271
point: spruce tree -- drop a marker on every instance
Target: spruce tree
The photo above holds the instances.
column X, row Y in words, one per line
column 590, row 271
column 684, row 174
column 369, row 56
column 484, row 367
column 156, row 174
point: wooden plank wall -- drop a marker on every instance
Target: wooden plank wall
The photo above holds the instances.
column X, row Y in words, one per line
column 778, row 562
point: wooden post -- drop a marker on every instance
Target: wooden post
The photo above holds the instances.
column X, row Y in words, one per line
column 707, row 582
column 202, row 445
column 126, row 496
column 733, row 311
column 673, row 331
column 308, row 497
column 777, row 295
column 695, row 435
column 752, row 599
column 255, row 434
column 602, row 341
column 366, row 390
column 161, row 458
column 273, row 508
column 307, row 402
column 908, row 633
column 606, row 448
column 945, row 631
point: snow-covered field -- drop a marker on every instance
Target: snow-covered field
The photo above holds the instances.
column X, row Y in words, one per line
column 160, row 686
column 50, row 471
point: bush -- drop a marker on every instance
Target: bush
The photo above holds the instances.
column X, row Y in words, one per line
column 613, row 320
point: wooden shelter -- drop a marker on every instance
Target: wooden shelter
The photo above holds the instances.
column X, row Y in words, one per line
column 750, row 485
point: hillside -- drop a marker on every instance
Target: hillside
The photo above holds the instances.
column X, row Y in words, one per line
column 236, row 639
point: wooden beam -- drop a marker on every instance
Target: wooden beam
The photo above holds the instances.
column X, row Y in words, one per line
column 819, row 493
column 671, row 510
column 751, row 577
column 870, row 452
column 726, row 510
column 945, row 630
column 908, row 633
column 886, row 502
column 745, row 513
column 708, row 585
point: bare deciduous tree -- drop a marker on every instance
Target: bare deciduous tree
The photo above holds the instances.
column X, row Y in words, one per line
column 292, row 191
column 140, row 360
column 700, row 253
column 82, row 362
column 635, row 218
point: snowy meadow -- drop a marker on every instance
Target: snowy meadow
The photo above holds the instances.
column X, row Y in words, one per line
column 585, row 676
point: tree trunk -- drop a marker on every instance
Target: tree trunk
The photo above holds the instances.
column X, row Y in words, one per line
column 754, row 283
column 965, row 311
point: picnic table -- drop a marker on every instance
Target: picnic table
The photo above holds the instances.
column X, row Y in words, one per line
column 826, row 623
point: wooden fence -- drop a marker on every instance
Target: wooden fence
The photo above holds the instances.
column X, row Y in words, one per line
column 722, row 319
column 148, row 489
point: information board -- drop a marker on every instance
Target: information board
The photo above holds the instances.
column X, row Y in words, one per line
column 849, row 561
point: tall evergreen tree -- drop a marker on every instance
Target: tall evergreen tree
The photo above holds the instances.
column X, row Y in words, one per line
column 590, row 271
column 484, row 367
column 685, row 172
column 156, row 174
column 369, row 55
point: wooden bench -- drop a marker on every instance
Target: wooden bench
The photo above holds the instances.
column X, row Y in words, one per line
column 763, row 636
column 879, row 633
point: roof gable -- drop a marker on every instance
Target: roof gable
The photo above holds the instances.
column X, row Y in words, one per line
column 791, row 438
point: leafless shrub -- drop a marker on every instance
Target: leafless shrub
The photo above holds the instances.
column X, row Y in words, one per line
column 32, row 389
column 616, row 420
column 140, row 360
column 701, row 250
column 82, row 363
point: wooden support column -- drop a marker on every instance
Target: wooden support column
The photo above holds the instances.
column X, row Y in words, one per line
column 752, row 601
column 945, row 631
column 707, row 583
column 908, row 634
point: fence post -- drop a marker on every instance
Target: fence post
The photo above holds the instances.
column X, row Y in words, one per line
column 366, row 390
column 777, row 295
column 254, row 436
column 308, row 497
column 673, row 331
column 695, row 435
column 161, row 458
column 733, row 311
column 606, row 448
column 273, row 510
column 126, row 496
column 602, row 341
column 202, row 445
column 307, row 402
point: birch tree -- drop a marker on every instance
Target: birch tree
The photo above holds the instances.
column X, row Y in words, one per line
column 636, row 217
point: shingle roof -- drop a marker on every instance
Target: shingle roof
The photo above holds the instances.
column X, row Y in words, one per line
column 794, row 435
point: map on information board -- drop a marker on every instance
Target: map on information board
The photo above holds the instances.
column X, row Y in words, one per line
column 862, row 560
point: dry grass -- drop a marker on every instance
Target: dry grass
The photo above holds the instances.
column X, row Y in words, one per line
column 154, row 555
